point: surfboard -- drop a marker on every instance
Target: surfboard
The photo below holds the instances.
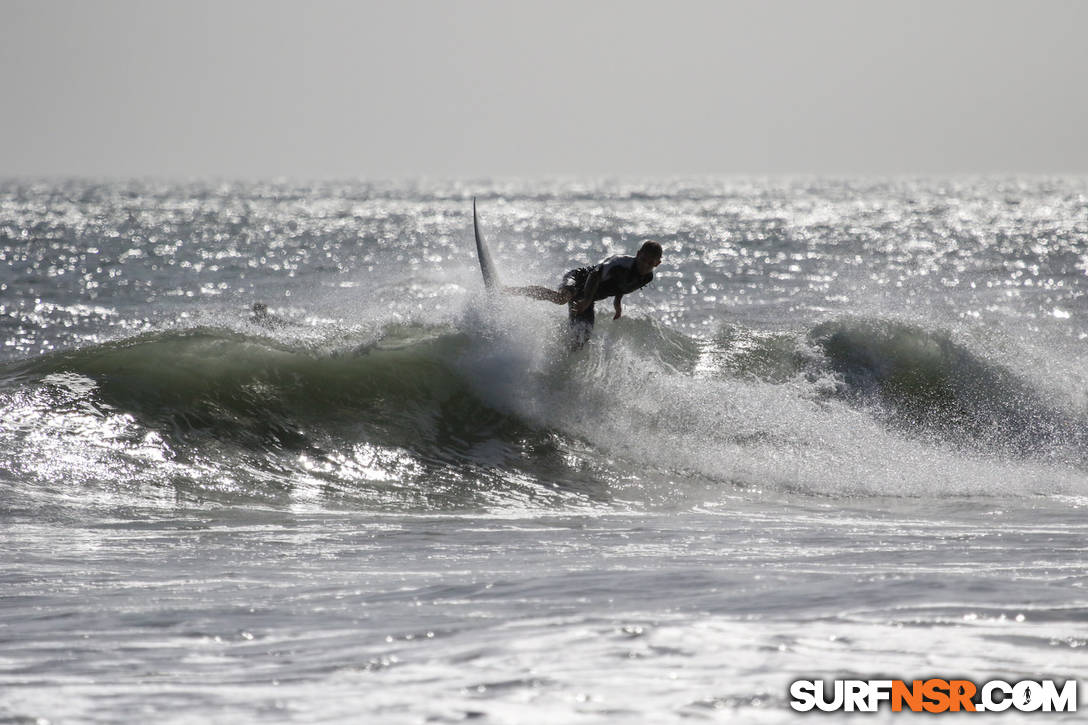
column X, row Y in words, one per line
column 487, row 268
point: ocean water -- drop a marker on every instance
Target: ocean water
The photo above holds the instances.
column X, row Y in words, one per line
column 844, row 434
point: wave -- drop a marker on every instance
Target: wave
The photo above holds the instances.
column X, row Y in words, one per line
column 926, row 382
column 488, row 412
column 259, row 392
column 923, row 382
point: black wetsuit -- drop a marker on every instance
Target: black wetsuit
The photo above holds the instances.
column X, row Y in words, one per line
column 618, row 276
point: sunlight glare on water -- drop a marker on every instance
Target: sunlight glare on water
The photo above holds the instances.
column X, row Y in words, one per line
column 841, row 434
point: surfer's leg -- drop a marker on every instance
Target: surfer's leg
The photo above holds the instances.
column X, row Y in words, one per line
column 581, row 326
column 560, row 297
column 571, row 286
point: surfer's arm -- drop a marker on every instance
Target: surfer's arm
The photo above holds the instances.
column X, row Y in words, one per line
column 619, row 308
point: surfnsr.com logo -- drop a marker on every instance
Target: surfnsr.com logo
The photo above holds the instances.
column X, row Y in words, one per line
column 934, row 695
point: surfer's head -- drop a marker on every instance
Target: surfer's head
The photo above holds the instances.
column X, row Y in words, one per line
column 648, row 257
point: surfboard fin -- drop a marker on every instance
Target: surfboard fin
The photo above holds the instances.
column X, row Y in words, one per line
column 487, row 268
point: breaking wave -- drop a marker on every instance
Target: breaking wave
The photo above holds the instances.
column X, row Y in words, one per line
column 488, row 413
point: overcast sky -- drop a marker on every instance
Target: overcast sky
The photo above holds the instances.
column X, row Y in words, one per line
column 261, row 88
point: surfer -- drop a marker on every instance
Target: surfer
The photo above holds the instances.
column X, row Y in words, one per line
column 260, row 316
column 260, row 312
column 580, row 288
